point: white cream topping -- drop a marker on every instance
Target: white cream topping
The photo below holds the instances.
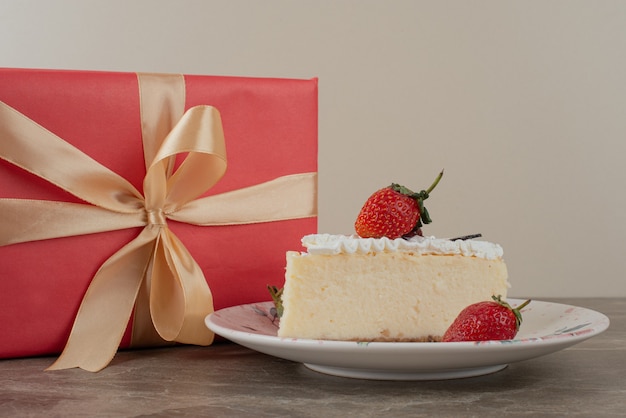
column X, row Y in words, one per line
column 329, row 244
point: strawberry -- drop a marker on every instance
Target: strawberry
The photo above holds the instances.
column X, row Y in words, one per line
column 393, row 212
column 483, row 321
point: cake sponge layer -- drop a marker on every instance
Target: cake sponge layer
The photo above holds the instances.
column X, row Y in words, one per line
column 386, row 296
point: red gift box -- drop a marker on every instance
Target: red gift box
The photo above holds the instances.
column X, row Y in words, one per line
column 162, row 211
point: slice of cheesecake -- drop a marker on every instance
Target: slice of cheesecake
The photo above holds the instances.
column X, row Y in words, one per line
column 353, row 289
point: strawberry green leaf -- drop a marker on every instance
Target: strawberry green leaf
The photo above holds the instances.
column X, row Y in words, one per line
column 276, row 295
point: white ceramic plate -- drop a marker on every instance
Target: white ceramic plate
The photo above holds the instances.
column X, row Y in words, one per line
column 547, row 327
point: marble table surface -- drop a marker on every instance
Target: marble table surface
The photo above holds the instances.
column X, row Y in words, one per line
column 227, row 380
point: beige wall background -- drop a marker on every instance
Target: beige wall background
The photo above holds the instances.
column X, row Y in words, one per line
column 522, row 102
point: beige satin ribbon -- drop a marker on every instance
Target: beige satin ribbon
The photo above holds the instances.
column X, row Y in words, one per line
column 154, row 272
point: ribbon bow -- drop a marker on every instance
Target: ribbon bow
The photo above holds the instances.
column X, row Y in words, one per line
column 154, row 274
